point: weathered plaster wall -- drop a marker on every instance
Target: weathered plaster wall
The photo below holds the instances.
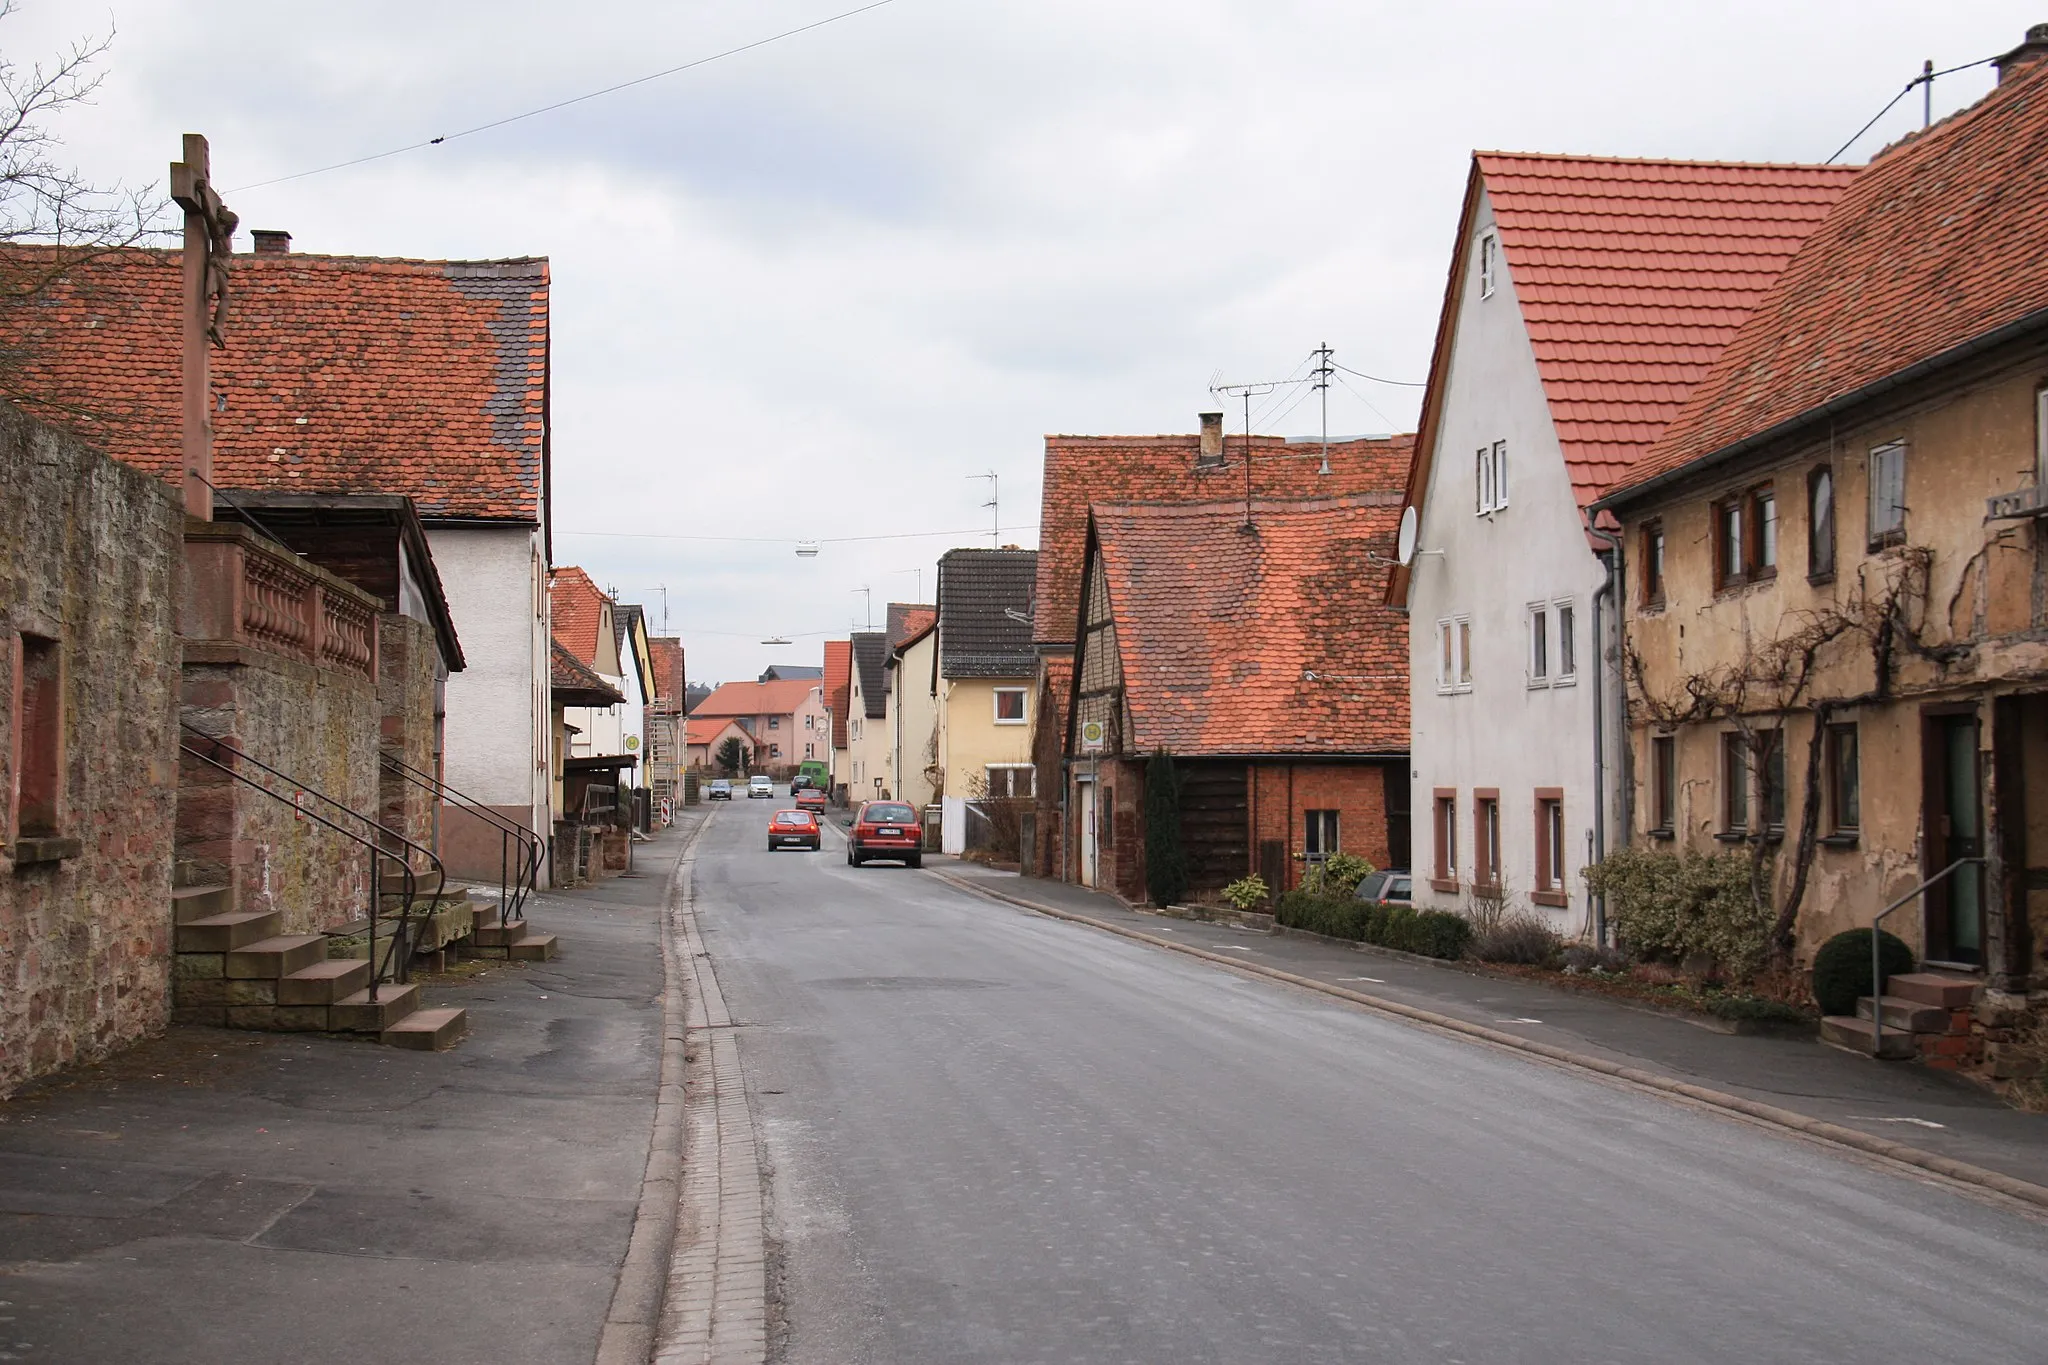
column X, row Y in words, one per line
column 89, row 556
column 1501, row 732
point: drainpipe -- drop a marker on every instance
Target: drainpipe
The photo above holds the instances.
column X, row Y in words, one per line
column 1608, row 591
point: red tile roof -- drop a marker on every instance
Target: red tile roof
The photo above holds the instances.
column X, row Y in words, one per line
column 838, row 686
column 574, row 684
column 577, row 610
column 916, row 622
column 1632, row 275
column 1084, row 469
column 341, row 375
column 669, row 678
column 1219, row 630
column 1942, row 239
column 1054, row 693
column 779, row 698
column 703, row 730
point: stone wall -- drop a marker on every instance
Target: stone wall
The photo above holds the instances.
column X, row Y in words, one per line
column 408, row 661
column 89, row 558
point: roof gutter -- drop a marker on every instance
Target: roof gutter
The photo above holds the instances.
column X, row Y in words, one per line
column 1919, row 369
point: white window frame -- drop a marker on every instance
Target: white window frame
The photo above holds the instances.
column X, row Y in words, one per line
column 1489, row 263
column 1539, row 644
column 1886, row 520
column 990, row 769
column 1490, row 478
column 1454, row 675
column 1500, row 475
column 1564, row 635
column 1023, row 716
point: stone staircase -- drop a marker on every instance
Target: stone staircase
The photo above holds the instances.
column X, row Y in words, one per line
column 1927, row 1017
column 231, row 968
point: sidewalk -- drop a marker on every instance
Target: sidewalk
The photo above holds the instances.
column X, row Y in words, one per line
column 218, row 1195
column 1896, row 1102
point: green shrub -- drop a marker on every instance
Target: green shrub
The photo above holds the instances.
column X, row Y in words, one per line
column 1337, row 875
column 1518, row 939
column 1841, row 969
column 1756, row 1008
column 1432, row 933
column 1440, row 933
column 1331, row 915
column 1247, row 893
column 1166, row 861
column 1669, row 907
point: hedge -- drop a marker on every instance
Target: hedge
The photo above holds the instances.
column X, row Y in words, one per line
column 1432, row 933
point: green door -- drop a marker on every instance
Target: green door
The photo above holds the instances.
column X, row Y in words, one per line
column 1955, row 829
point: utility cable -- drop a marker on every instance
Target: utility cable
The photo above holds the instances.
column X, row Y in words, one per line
column 1924, row 78
column 1391, row 424
column 794, row 540
column 1397, row 383
column 564, row 104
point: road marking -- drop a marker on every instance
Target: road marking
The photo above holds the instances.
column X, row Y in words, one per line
column 1377, row 981
column 1518, row 1020
column 1881, row 1118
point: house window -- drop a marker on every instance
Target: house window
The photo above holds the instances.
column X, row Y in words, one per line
column 1727, row 543
column 810, row 722
column 1820, row 524
column 1772, row 743
column 1888, row 495
column 1489, row 254
column 1734, row 783
column 1567, row 642
column 1663, row 783
column 1446, row 874
column 1653, row 564
column 1490, row 472
column 1319, row 839
column 1539, row 645
column 1010, row 779
column 1763, row 519
column 775, row 751
column 1105, row 823
column 1009, row 706
column 775, row 722
column 1454, row 654
column 1845, row 780
column 1746, row 537
column 1486, row 839
column 2041, row 437
column 39, row 725
column 810, row 751
column 1549, row 889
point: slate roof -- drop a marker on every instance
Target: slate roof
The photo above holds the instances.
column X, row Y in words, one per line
column 669, row 675
column 574, row 683
column 1218, row 630
column 977, row 591
column 1084, row 469
column 838, row 686
column 624, row 614
column 756, row 698
column 899, row 614
column 791, row 672
column 870, row 653
column 576, row 608
column 1942, row 239
column 916, row 623
column 342, row 374
column 1632, row 275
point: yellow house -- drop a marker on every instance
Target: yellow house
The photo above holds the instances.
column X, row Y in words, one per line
column 983, row 682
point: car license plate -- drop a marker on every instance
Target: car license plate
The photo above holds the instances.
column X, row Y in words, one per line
column 890, row 831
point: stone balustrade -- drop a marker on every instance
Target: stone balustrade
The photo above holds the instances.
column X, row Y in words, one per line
column 244, row 590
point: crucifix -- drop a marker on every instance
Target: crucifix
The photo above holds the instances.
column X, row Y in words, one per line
column 209, row 241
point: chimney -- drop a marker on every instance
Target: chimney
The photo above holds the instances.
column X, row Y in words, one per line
column 1211, row 455
column 271, row 241
column 2025, row 56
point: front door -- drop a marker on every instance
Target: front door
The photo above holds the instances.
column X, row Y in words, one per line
column 1954, row 813
column 1086, row 804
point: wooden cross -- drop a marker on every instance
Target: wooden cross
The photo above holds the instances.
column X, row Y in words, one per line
column 209, row 244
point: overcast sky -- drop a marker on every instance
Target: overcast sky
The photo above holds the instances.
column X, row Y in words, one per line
column 806, row 291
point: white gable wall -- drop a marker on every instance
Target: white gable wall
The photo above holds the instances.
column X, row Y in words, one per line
column 1502, row 733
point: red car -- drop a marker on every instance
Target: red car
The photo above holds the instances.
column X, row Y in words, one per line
column 885, row 829
column 798, row 827
column 811, row 799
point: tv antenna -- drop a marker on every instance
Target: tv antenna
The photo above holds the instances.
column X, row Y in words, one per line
column 868, row 599
column 919, row 571
column 995, row 504
column 1247, row 392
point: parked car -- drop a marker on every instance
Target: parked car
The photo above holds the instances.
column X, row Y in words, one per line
column 811, row 799
column 795, row 827
column 1390, row 885
column 760, row 785
column 718, row 790
column 885, row 829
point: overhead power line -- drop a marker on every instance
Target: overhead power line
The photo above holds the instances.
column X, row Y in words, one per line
column 790, row 540
column 1397, row 383
column 564, row 104
column 1927, row 78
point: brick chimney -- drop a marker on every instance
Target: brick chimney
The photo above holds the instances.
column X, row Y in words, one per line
column 271, row 241
column 2023, row 57
column 1211, row 453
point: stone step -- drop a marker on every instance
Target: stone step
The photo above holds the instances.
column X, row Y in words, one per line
column 280, row 956
column 225, row 933
column 494, row 935
column 324, row 982
column 358, row 1014
column 189, row 903
column 1942, row 989
column 1853, row 1035
column 434, row 1030
column 1909, row 1015
column 536, row 948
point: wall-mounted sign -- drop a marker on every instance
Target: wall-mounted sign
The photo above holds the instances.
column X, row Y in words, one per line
column 632, row 743
column 1092, row 735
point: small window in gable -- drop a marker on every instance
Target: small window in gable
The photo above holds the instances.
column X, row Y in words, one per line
column 1489, row 264
column 1567, row 642
column 1539, row 645
column 1454, row 654
column 1490, row 477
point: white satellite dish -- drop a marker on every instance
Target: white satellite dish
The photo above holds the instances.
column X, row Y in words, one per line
column 1406, row 546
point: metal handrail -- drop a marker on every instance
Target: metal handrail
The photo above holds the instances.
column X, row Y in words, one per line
column 398, row 958
column 518, row 877
column 1876, row 971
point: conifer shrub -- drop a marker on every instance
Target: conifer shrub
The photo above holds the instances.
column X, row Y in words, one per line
column 1841, row 969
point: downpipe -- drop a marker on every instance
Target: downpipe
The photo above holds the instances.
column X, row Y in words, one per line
column 1607, row 594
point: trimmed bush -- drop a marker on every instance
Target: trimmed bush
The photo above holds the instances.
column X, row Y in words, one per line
column 1673, row 907
column 1441, row 933
column 1518, row 939
column 1841, row 969
column 1432, row 933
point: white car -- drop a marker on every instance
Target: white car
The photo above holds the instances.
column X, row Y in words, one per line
column 760, row 785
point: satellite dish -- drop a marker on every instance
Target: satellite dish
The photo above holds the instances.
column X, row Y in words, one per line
column 1406, row 547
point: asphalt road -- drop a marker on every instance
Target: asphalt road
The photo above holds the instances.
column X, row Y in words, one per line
column 997, row 1137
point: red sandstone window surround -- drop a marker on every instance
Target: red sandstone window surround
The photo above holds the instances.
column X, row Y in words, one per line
column 38, row 727
column 1446, row 872
column 1550, row 851
column 1486, row 839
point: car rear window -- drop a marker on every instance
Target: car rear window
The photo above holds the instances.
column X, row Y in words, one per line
column 791, row 817
column 880, row 814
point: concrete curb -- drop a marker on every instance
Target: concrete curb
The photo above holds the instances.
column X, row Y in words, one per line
column 1960, row 1171
column 635, row 1312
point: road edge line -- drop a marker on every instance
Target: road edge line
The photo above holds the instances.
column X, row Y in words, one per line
column 634, row 1315
column 1962, row 1172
